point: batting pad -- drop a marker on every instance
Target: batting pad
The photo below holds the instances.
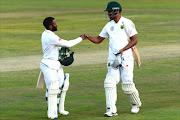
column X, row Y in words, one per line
column 52, row 106
column 110, row 92
column 111, row 97
column 132, row 93
column 110, row 81
column 63, row 95
column 66, row 82
column 52, row 99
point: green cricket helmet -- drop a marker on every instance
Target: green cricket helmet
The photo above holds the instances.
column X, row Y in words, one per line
column 113, row 5
column 66, row 56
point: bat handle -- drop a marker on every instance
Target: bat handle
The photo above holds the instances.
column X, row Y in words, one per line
column 116, row 54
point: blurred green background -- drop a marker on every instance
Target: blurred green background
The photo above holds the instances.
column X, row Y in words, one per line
column 157, row 23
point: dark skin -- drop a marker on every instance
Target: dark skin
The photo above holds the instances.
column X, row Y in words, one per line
column 98, row 39
column 54, row 25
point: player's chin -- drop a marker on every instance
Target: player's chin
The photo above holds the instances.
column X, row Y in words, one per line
column 111, row 18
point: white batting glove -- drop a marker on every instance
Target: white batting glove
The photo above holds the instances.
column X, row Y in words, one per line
column 117, row 62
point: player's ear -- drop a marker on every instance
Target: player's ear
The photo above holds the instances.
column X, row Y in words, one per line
column 50, row 27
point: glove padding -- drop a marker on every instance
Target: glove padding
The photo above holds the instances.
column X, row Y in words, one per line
column 117, row 62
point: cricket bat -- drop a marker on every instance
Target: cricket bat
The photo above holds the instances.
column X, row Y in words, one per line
column 136, row 55
column 40, row 82
column 134, row 50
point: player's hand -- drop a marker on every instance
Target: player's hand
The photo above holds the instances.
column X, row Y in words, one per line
column 86, row 35
column 121, row 51
column 83, row 37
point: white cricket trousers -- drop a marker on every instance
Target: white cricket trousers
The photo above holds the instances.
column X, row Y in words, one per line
column 52, row 75
column 124, row 73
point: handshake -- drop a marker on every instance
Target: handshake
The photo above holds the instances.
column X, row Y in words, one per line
column 85, row 36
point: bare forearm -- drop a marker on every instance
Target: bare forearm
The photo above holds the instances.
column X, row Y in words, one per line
column 94, row 39
column 132, row 43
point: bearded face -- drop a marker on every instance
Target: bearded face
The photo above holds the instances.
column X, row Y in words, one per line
column 54, row 28
column 54, row 25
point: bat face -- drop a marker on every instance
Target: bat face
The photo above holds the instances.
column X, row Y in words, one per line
column 136, row 56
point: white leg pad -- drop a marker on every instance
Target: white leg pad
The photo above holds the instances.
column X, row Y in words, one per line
column 111, row 93
column 52, row 100
column 132, row 93
column 63, row 96
column 52, row 106
column 111, row 99
column 66, row 82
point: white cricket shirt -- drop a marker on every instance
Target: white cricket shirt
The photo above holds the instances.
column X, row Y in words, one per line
column 118, row 38
column 51, row 42
column 50, row 45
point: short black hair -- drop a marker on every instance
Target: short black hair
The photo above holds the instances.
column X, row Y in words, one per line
column 47, row 21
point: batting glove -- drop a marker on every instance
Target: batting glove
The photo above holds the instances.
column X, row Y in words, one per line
column 117, row 62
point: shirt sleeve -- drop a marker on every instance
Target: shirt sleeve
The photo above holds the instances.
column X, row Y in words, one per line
column 131, row 30
column 104, row 33
column 65, row 43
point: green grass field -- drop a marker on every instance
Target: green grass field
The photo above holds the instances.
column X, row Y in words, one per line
column 158, row 79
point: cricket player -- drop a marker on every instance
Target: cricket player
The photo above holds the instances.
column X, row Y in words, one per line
column 120, row 63
column 56, row 82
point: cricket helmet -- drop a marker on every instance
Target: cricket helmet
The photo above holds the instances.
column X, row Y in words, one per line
column 113, row 5
column 66, row 56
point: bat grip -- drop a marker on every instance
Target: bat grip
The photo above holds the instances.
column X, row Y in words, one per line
column 116, row 54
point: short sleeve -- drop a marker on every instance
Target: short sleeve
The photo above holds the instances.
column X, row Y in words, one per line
column 104, row 33
column 131, row 29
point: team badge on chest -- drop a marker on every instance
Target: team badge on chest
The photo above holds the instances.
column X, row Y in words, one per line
column 112, row 28
column 122, row 26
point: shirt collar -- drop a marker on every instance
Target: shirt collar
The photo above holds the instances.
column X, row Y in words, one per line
column 49, row 31
column 120, row 20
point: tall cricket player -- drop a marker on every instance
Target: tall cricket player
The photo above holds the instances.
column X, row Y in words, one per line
column 56, row 82
column 120, row 63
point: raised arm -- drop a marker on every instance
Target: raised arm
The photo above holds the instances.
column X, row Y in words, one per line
column 69, row 43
